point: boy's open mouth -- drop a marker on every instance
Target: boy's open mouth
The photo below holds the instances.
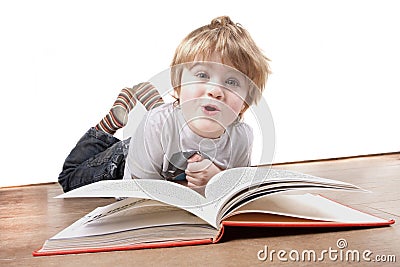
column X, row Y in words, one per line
column 211, row 109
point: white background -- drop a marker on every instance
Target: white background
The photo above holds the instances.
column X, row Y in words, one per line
column 333, row 92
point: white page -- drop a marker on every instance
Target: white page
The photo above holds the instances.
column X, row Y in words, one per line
column 307, row 206
column 160, row 190
column 126, row 207
column 146, row 217
column 223, row 187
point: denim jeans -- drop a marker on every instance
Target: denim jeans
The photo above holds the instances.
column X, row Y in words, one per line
column 97, row 156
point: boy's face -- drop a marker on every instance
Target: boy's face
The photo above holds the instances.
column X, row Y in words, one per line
column 211, row 96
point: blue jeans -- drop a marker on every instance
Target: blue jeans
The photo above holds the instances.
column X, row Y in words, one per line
column 97, row 156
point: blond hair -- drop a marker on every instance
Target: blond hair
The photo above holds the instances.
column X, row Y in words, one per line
column 233, row 44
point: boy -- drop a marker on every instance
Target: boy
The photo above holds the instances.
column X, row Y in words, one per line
column 217, row 72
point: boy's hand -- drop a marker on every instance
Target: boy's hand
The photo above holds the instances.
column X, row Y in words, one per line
column 199, row 171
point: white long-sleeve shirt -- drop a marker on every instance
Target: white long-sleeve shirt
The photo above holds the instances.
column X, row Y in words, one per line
column 164, row 132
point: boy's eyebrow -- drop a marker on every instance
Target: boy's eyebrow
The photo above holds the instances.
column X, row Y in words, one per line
column 203, row 64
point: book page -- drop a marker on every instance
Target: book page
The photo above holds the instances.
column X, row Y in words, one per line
column 229, row 181
column 234, row 180
column 164, row 191
column 107, row 188
column 179, row 196
column 234, row 185
column 127, row 206
column 145, row 217
column 306, row 206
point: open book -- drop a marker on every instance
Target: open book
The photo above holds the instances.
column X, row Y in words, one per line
column 158, row 213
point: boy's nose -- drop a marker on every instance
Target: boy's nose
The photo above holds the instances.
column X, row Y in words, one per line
column 215, row 91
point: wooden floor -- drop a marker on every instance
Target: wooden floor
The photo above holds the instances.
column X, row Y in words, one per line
column 30, row 215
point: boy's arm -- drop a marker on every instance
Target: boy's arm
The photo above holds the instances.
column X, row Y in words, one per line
column 145, row 152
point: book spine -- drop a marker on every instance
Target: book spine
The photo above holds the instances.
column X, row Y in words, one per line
column 219, row 234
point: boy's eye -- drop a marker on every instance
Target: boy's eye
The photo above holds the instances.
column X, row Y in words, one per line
column 202, row 75
column 232, row 82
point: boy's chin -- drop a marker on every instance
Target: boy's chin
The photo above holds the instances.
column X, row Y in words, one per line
column 207, row 128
